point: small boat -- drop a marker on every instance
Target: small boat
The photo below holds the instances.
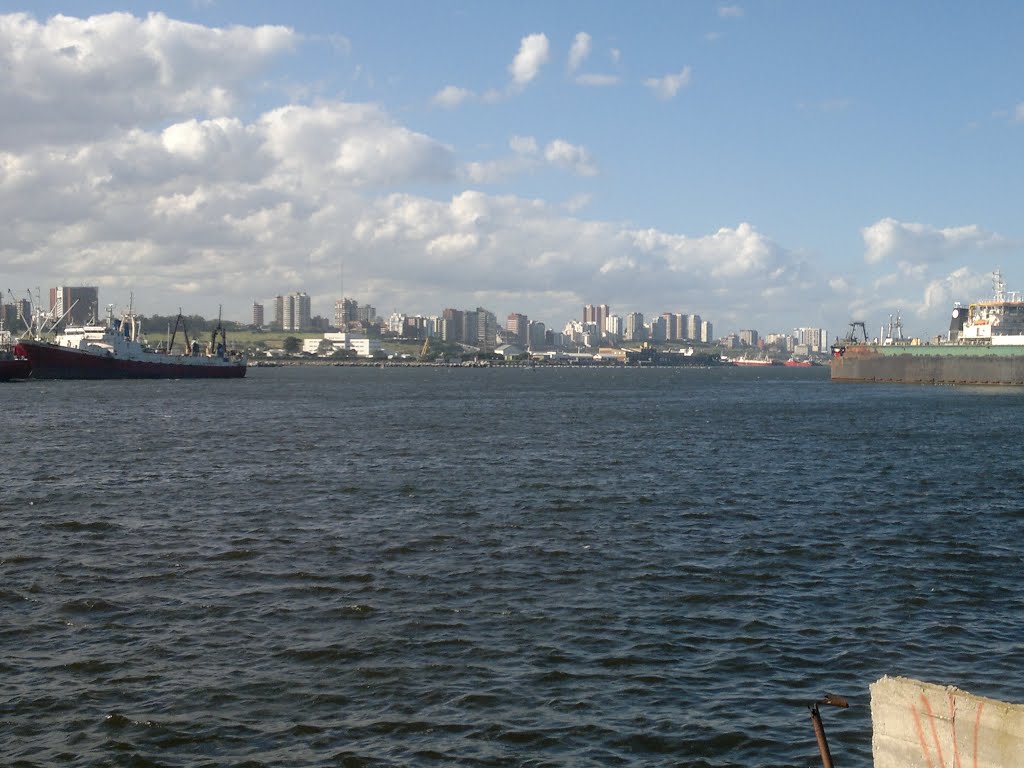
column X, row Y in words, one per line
column 116, row 350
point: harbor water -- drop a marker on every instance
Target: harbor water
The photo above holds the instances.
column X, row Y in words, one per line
column 496, row 567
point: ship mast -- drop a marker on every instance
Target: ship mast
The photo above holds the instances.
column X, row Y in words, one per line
column 998, row 287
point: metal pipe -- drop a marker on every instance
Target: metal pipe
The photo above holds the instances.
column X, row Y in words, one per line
column 819, row 728
column 819, row 733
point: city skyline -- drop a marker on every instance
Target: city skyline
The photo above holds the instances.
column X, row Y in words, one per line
column 765, row 166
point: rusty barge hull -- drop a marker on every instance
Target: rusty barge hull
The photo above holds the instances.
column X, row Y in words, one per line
column 930, row 364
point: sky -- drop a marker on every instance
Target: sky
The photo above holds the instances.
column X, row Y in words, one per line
column 766, row 165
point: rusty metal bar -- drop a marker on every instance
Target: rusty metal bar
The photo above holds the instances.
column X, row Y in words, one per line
column 819, row 728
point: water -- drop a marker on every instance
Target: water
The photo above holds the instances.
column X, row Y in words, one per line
column 391, row 567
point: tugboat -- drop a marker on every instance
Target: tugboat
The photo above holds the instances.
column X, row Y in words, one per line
column 115, row 350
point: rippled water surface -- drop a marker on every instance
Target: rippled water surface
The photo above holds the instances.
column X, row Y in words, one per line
column 391, row 567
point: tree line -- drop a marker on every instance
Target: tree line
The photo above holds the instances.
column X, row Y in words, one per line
column 194, row 323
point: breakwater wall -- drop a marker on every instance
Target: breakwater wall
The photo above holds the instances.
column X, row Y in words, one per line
column 917, row 724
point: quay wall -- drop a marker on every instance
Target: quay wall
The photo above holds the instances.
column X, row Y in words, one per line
column 922, row 725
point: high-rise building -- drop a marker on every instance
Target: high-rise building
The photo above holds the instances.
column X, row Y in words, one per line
column 634, row 327
column 292, row 312
column 613, row 327
column 538, row 335
column 707, row 334
column 366, row 314
column 693, row 327
column 279, row 311
column 345, row 311
column 257, row 315
column 671, row 326
column 74, row 305
column 9, row 318
column 487, row 329
column 748, row 337
column 816, row 339
column 451, row 325
column 596, row 314
column 469, row 327
column 517, row 326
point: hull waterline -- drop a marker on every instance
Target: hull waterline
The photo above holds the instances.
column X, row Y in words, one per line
column 938, row 364
column 15, row 368
column 49, row 361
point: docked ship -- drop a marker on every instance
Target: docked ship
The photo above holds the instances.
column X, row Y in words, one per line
column 985, row 345
column 12, row 365
column 116, row 350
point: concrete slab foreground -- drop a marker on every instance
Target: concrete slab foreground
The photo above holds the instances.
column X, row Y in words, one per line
column 922, row 725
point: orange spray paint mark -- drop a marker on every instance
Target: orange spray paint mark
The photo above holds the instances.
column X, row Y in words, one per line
column 952, row 731
column 977, row 729
column 935, row 731
column 920, row 736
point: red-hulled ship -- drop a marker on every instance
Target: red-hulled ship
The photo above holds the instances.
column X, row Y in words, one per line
column 12, row 365
column 115, row 351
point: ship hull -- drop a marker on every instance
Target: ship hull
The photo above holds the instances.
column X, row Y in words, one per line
column 49, row 361
column 930, row 364
column 17, row 368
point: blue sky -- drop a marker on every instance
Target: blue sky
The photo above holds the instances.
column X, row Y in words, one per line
column 766, row 165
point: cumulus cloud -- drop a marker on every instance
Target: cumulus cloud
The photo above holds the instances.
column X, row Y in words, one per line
column 571, row 156
column 351, row 144
column 579, row 51
column 533, row 54
column 69, row 78
column 527, row 157
column 451, row 96
column 169, row 191
column 667, row 87
column 914, row 244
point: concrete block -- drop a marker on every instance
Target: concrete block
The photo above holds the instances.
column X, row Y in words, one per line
column 921, row 725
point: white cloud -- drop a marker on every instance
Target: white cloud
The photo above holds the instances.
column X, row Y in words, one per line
column 69, row 77
column 1018, row 113
column 526, row 157
column 730, row 12
column 668, row 86
column 523, row 145
column 451, row 96
column 523, row 159
column 577, row 203
column 915, row 244
column 349, row 144
column 579, row 51
column 155, row 189
column 571, row 156
column 533, row 54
